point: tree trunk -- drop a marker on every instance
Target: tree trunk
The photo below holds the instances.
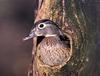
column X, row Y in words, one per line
column 71, row 18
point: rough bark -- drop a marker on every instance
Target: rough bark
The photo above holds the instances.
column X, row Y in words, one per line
column 70, row 17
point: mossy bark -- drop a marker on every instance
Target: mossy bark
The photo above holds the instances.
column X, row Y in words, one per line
column 69, row 15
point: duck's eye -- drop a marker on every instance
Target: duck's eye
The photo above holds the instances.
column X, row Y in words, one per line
column 41, row 26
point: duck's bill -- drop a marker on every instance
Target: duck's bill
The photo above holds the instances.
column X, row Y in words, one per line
column 31, row 35
column 27, row 38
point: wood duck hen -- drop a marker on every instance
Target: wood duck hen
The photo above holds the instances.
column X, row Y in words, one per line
column 53, row 48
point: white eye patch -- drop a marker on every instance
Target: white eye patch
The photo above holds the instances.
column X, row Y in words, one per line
column 42, row 25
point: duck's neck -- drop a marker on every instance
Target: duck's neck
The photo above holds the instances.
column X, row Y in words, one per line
column 52, row 37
